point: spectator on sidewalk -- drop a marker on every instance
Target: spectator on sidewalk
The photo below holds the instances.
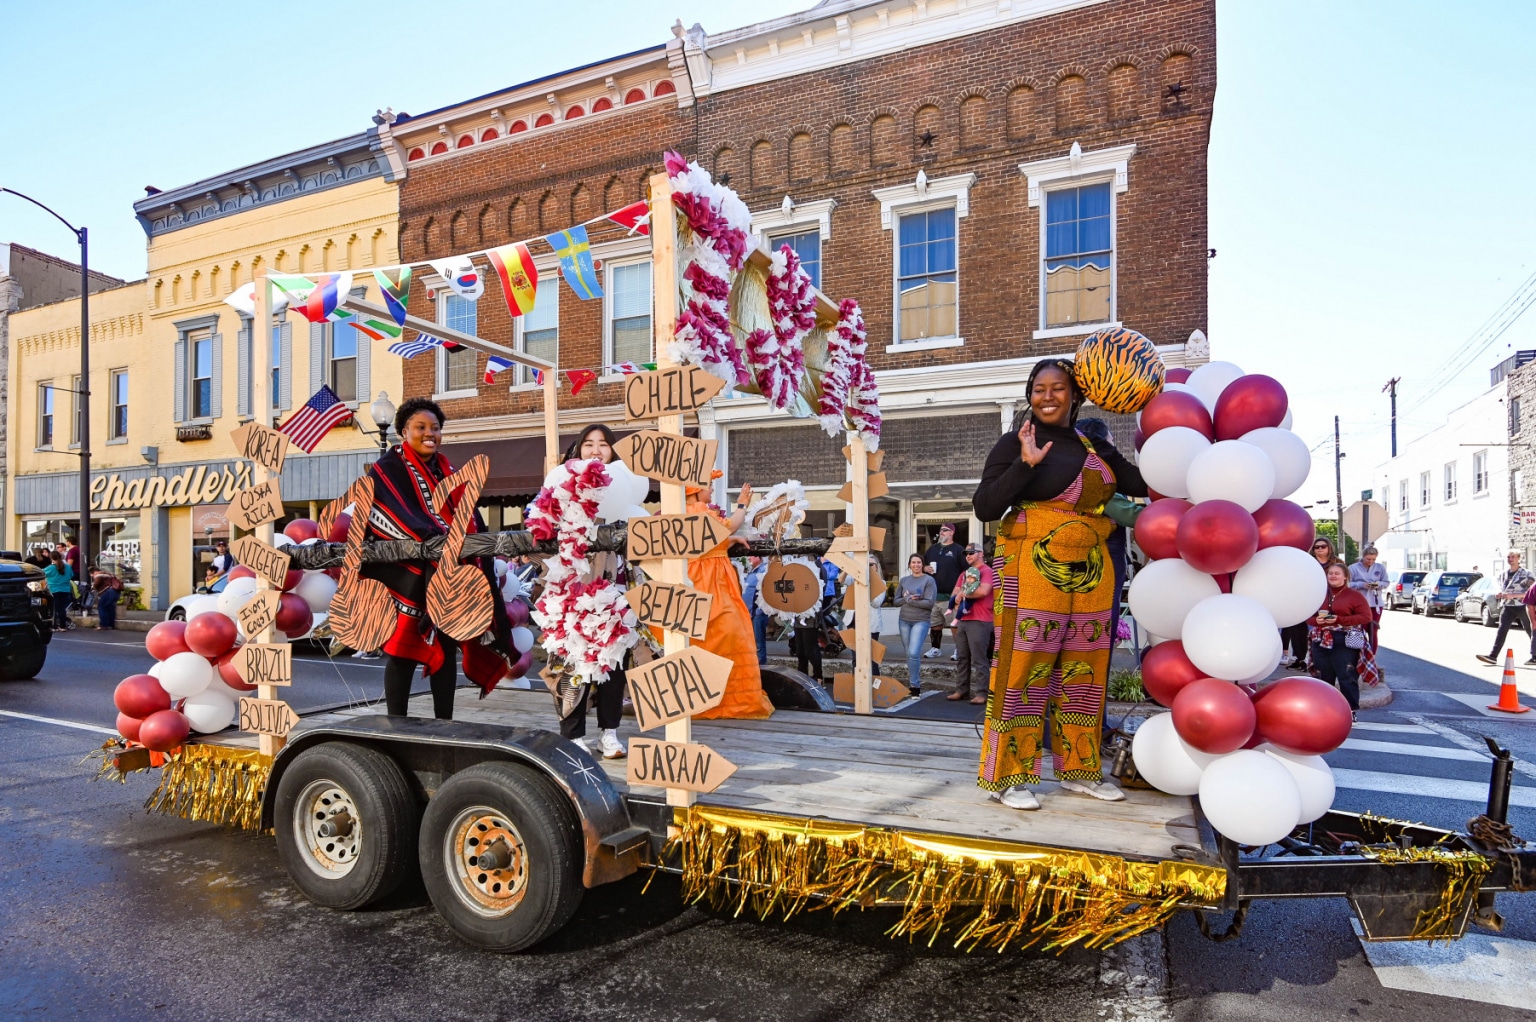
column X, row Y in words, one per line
column 972, row 602
column 1337, row 634
column 916, row 594
column 1514, row 583
column 944, row 561
column 757, row 568
column 1369, row 579
column 107, row 588
column 223, row 560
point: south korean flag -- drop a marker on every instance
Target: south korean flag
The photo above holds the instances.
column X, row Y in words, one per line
column 459, row 273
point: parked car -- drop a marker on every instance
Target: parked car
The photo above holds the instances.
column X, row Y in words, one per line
column 1480, row 602
column 1400, row 587
column 26, row 619
column 178, row 610
column 1437, row 593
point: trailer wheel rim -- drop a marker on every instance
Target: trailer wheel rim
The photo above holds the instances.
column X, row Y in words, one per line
column 328, row 855
column 488, row 892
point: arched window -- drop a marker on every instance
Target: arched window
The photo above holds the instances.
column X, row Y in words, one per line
column 544, row 120
column 488, row 135
column 438, row 148
column 517, row 126
column 603, row 104
column 634, row 96
column 575, row 112
column 664, row 88
column 415, row 154
column 465, row 141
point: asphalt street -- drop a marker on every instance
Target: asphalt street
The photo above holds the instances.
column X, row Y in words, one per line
column 112, row 910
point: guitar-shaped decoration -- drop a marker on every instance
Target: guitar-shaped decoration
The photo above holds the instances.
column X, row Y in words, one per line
column 333, row 510
column 459, row 598
column 363, row 613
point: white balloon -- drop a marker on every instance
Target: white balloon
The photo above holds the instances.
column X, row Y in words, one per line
column 1229, row 470
column 501, row 568
column 635, row 511
column 1165, row 760
column 1166, row 457
column 1250, row 797
column 1277, row 653
column 1288, row 456
column 522, row 639
column 1210, row 380
column 200, row 603
column 1288, row 582
column 237, row 593
column 154, row 670
column 1229, row 636
column 1165, row 591
column 218, row 685
column 617, row 494
column 1285, row 423
column 318, row 589
column 281, row 539
column 1313, row 777
column 185, row 674
column 209, row 711
column 311, row 541
column 512, row 587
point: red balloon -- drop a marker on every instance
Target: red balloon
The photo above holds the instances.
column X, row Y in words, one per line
column 1283, row 523
column 210, row 634
column 1138, row 438
column 1216, row 536
column 301, row 529
column 1154, row 495
column 128, row 726
column 1302, row 715
column 1166, row 669
column 520, row 667
column 293, row 615
column 139, row 695
column 517, row 613
column 1176, row 408
column 241, row 571
column 1224, row 581
column 1179, row 375
column 293, row 578
column 167, row 639
column 339, row 528
column 1249, row 402
column 228, row 674
column 1157, row 526
column 164, row 731
column 1214, row 716
column 334, row 573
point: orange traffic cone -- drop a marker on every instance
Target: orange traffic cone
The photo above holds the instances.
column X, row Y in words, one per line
column 1509, row 695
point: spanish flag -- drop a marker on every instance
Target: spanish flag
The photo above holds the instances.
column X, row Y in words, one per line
column 519, row 278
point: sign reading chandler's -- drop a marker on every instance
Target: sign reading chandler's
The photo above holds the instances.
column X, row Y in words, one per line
column 196, row 484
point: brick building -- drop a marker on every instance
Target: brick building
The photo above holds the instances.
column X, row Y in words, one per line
column 946, row 163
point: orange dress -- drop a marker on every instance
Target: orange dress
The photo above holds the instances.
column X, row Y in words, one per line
column 729, row 633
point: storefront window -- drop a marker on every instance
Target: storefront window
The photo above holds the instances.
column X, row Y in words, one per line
column 114, row 541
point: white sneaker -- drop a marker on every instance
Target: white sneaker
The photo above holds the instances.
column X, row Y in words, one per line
column 1098, row 789
column 1018, row 797
column 611, row 746
column 586, row 747
column 932, row 652
column 955, row 657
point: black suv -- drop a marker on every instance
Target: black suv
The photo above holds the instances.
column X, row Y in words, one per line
column 26, row 619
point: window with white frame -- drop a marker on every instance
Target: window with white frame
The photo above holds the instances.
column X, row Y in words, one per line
column 277, row 365
column 1479, row 472
column 1402, row 495
column 77, row 403
column 45, row 395
column 200, row 378
column 806, row 245
column 117, row 423
column 1450, row 481
column 805, row 227
column 341, row 360
column 629, row 313
column 924, row 221
column 1423, row 489
column 1514, row 416
column 456, row 370
column 541, row 330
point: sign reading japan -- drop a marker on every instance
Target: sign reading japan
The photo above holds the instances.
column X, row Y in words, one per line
column 670, row 391
column 668, row 458
column 685, row 765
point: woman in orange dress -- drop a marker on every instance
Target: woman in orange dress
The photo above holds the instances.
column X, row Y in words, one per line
column 730, row 622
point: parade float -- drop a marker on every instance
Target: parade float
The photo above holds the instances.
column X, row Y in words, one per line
column 508, row 823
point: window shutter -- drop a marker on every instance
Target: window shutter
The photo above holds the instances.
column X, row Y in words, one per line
column 180, row 399
column 316, row 357
column 216, row 407
column 285, row 371
column 364, row 367
column 243, row 369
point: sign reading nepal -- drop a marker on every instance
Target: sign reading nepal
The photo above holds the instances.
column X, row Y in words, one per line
column 196, row 484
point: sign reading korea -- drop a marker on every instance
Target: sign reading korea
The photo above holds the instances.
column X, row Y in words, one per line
column 679, row 685
column 262, row 444
column 679, row 608
column 267, row 561
column 261, row 503
column 670, row 391
column 685, row 765
column 668, row 458
column 657, row 537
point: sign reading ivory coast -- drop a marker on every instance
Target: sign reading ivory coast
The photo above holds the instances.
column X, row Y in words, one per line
column 668, row 458
column 261, row 503
column 657, row 537
column 196, row 484
column 679, row 608
column 258, row 613
column 267, row 561
column 670, row 391
column 268, row 716
column 679, row 685
column 685, row 765
column 262, row 444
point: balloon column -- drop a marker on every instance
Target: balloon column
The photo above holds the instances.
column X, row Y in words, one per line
column 1229, row 566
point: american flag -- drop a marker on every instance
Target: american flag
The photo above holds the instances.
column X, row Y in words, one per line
column 321, row 413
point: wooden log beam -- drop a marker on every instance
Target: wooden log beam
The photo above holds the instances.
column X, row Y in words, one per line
column 514, row 542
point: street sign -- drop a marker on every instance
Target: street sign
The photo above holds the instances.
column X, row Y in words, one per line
column 685, row 765
column 1364, row 519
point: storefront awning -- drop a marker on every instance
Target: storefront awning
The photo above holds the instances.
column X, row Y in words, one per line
column 517, row 463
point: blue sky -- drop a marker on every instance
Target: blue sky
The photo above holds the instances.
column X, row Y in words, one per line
column 1368, row 163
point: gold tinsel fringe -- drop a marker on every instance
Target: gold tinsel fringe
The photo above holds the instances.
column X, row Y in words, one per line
column 213, row 783
column 748, row 303
column 1463, row 872
column 1022, row 895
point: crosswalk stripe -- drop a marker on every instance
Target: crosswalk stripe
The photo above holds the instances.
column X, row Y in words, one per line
column 1405, row 749
column 1427, row 787
column 1478, row 967
column 1466, row 742
column 79, row 726
column 1405, row 729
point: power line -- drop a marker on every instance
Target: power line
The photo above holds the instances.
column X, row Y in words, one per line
column 1483, row 337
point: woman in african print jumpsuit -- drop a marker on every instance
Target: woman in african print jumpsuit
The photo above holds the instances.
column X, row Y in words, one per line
column 1047, row 483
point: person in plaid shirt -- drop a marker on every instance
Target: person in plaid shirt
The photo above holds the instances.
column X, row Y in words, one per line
column 1513, row 585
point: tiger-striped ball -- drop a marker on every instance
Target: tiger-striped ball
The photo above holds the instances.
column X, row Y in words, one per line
column 1119, row 370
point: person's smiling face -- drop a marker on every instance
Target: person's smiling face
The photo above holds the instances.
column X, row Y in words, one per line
column 595, row 445
column 423, row 433
column 1050, row 398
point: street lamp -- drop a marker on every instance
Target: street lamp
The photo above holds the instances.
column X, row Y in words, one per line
column 84, row 394
column 383, row 412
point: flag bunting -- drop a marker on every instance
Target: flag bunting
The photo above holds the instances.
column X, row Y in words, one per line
column 519, row 277
column 494, row 365
column 576, row 261
column 636, row 216
column 395, row 284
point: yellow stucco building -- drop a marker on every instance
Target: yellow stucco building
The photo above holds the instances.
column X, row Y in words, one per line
column 172, row 364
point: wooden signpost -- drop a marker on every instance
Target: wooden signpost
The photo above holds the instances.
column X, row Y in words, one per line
column 674, row 536
column 677, row 686
column 256, row 505
column 680, row 608
column 262, row 444
column 269, row 563
column 267, row 717
column 265, row 663
column 684, row 765
column 260, row 611
column 669, row 390
column 667, row 458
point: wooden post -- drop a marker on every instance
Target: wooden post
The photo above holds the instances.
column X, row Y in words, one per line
column 551, row 416
column 261, row 409
column 673, row 495
column 863, row 673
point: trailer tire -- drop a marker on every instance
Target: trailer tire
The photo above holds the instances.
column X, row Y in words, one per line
column 532, row 830
column 377, row 851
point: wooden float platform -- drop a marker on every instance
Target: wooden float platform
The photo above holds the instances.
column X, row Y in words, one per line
column 898, row 772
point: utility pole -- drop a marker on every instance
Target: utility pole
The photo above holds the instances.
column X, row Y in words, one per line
column 1391, row 388
column 1338, row 487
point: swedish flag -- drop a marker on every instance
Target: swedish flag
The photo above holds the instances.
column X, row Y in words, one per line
column 576, row 261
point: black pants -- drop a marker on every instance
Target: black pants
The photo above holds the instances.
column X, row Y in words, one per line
column 61, row 604
column 1336, row 666
column 610, row 706
column 399, row 672
column 1294, row 638
column 808, row 645
column 1509, row 619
